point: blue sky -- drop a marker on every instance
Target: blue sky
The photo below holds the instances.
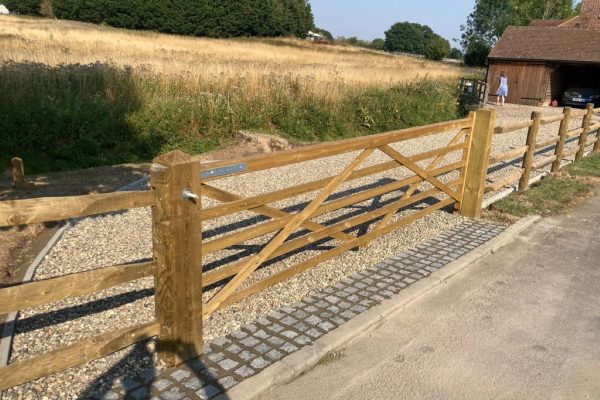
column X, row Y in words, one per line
column 369, row 19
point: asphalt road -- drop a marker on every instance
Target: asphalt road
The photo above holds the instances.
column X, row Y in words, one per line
column 524, row 323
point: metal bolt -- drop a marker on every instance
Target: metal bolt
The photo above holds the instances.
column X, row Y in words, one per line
column 189, row 195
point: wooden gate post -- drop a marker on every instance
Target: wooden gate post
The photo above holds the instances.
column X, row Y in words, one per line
column 18, row 173
column 560, row 146
column 529, row 156
column 175, row 178
column 587, row 121
column 480, row 146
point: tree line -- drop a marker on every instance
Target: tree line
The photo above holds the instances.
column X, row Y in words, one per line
column 490, row 18
column 213, row 18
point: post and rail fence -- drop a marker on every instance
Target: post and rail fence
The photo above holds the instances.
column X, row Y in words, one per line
column 180, row 182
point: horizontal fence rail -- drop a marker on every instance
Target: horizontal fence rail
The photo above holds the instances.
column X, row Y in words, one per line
column 561, row 146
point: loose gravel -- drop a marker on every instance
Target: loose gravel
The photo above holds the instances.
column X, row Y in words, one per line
column 125, row 237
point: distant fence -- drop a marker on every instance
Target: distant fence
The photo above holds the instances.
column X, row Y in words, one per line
column 561, row 145
column 179, row 182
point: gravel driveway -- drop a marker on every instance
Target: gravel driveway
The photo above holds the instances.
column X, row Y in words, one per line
column 124, row 237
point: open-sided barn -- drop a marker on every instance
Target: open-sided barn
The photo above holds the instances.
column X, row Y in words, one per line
column 547, row 57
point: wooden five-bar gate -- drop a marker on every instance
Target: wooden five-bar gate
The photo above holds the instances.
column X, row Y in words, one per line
column 180, row 182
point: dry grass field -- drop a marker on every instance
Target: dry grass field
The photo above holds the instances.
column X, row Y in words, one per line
column 71, row 80
column 319, row 67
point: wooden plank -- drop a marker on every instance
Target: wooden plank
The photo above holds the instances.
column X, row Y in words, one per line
column 405, row 161
column 587, row 120
column 574, row 133
column 570, row 152
column 74, row 355
column 477, row 164
column 281, row 158
column 434, row 164
column 303, row 266
column 31, row 294
column 512, row 127
column 504, row 181
column 272, row 197
column 177, row 243
column 222, row 195
column 219, row 274
column 548, row 142
column 543, row 163
column 254, row 262
column 597, row 144
column 29, row 211
column 508, row 155
column 530, row 155
column 271, row 226
column 551, row 120
column 562, row 138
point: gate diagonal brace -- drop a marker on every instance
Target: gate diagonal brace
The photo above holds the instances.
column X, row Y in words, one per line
column 254, row 262
column 419, row 171
column 222, row 195
column 413, row 188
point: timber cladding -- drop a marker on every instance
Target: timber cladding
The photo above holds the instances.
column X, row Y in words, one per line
column 435, row 178
column 527, row 82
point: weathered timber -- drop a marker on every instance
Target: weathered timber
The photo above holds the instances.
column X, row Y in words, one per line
column 219, row 274
column 271, row 226
column 480, row 145
column 513, row 127
column 506, row 180
column 530, row 155
column 278, row 159
column 18, row 173
column 74, row 355
column 259, row 201
column 562, row 138
column 303, row 266
column 295, row 222
column 587, row 120
column 508, row 155
column 31, row 294
column 29, row 211
column 177, row 251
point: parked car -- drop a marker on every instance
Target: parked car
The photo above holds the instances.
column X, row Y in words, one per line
column 581, row 96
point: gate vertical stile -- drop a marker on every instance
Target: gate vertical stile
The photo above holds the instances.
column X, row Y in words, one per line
column 480, row 145
column 177, row 242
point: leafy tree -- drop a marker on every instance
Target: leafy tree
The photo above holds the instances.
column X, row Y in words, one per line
column 486, row 24
column 378, row 44
column 456, row 54
column 417, row 39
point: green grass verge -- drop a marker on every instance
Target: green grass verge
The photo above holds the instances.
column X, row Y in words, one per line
column 552, row 195
column 79, row 116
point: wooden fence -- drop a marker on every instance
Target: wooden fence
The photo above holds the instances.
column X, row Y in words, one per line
column 566, row 142
column 180, row 182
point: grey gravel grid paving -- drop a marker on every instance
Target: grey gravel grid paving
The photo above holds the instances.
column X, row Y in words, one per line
column 229, row 360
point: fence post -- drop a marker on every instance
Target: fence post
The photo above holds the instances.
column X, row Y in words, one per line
column 587, row 120
column 560, row 146
column 529, row 156
column 18, row 172
column 480, row 145
column 177, row 246
column 597, row 144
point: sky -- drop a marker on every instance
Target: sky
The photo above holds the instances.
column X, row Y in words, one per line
column 369, row 19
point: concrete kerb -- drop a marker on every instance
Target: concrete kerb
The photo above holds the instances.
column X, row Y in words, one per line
column 10, row 323
column 303, row 360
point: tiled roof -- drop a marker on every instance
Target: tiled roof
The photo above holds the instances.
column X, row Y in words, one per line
column 543, row 43
column 546, row 22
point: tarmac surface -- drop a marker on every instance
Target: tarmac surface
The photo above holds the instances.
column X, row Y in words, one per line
column 523, row 323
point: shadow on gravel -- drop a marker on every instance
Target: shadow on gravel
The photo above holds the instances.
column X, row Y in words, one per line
column 193, row 380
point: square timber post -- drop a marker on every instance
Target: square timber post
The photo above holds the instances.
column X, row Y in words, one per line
column 177, row 244
column 480, row 146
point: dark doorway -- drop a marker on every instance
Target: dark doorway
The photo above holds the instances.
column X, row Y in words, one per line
column 567, row 77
